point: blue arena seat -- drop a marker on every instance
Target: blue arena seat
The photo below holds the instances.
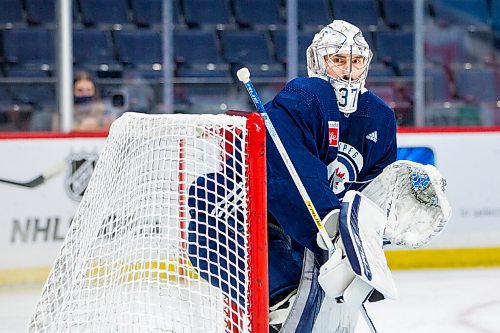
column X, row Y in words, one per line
column 438, row 85
column 476, row 83
column 11, row 12
column 198, row 71
column 280, row 43
column 447, row 45
column 196, row 46
column 29, row 91
column 247, row 47
column 495, row 15
column 139, row 48
column 253, row 13
column 148, row 13
column 362, row 13
column 29, row 47
column 92, row 48
column 313, row 13
column 438, row 88
column 207, row 12
column 462, row 12
column 398, row 13
column 379, row 73
column 263, row 72
column 43, row 12
column 26, row 72
column 109, row 12
column 145, row 73
column 197, row 53
column 395, row 46
column 38, row 95
column 5, row 99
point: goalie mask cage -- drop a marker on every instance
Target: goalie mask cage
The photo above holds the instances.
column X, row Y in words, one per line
column 128, row 262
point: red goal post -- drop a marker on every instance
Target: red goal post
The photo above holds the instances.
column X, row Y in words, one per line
column 124, row 264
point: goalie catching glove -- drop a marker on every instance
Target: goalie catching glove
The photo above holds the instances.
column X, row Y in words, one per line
column 413, row 197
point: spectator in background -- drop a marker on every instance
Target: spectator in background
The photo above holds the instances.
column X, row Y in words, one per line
column 90, row 112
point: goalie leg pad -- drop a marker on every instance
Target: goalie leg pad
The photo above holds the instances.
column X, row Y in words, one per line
column 361, row 229
column 335, row 317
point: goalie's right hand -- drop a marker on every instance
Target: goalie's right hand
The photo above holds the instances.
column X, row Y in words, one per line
column 331, row 224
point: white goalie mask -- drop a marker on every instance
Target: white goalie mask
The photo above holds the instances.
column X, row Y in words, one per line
column 340, row 55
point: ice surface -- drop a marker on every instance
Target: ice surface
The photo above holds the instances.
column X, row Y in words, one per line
column 444, row 301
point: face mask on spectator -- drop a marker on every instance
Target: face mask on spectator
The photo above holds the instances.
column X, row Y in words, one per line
column 83, row 99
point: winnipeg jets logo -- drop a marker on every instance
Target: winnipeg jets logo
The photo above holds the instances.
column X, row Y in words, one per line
column 345, row 169
column 372, row 136
column 337, row 178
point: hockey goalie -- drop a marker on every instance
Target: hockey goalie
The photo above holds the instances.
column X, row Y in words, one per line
column 341, row 139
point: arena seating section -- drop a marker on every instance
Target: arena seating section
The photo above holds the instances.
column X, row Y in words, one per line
column 115, row 39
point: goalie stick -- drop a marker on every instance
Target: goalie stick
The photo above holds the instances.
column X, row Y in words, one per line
column 38, row 180
column 244, row 76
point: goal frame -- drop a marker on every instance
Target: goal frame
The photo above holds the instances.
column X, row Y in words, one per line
column 257, row 204
column 253, row 319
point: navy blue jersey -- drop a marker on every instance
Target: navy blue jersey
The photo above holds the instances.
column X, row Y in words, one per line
column 367, row 145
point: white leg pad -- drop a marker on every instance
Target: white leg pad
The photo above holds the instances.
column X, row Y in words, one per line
column 361, row 228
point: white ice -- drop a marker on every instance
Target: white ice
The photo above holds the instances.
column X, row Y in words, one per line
column 441, row 301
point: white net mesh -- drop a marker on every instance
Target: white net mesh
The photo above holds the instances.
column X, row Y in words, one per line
column 126, row 264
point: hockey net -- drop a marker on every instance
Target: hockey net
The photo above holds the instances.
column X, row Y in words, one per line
column 126, row 264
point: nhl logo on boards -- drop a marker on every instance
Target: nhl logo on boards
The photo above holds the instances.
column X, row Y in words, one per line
column 333, row 133
column 81, row 167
